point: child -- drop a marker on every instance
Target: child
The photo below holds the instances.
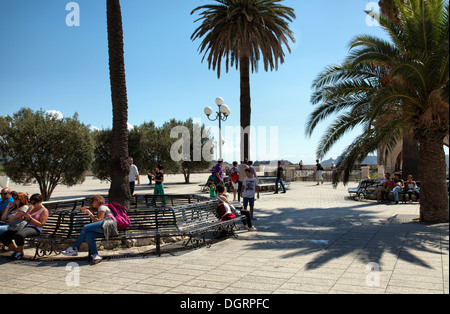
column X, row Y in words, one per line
column 249, row 187
column 212, row 190
column 222, row 196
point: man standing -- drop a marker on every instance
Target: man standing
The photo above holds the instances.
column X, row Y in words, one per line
column 134, row 174
column 6, row 199
column 218, row 173
column 279, row 178
column 242, row 167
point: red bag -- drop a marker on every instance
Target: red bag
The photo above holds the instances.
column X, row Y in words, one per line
column 224, row 214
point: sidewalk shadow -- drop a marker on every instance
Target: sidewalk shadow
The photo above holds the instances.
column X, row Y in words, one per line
column 327, row 234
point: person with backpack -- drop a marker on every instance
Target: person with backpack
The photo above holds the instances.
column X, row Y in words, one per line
column 103, row 225
column 234, row 175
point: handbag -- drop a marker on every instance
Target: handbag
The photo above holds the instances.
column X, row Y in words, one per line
column 17, row 225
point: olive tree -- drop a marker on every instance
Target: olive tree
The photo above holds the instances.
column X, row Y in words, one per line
column 43, row 147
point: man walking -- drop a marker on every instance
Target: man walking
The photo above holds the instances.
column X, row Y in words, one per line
column 279, row 179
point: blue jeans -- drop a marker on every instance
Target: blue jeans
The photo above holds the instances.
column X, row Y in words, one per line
column 89, row 233
column 3, row 228
column 279, row 180
column 239, row 190
column 395, row 192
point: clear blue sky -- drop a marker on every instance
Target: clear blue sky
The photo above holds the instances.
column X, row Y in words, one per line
column 46, row 64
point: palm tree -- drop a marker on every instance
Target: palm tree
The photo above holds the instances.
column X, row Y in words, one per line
column 410, row 147
column 241, row 32
column 119, row 190
column 389, row 87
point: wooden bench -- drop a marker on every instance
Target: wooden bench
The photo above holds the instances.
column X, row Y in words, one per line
column 190, row 220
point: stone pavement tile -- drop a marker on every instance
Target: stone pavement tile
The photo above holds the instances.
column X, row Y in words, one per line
column 419, row 285
column 196, row 283
column 117, row 281
column 104, row 286
column 290, row 291
column 266, row 287
column 410, row 290
column 242, row 291
column 143, row 288
column 173, row 276
column 417, row 277
column 261, row 279
column 321, row 273
column 352, row 289
column 83, row 290
column 193, row 290
column 282, row 273
column 298, row 279
column 305, row 287
column 219, row 278
column 360, row 280
column 172, row 283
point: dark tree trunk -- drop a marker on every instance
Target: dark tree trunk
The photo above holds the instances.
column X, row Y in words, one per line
column 433, row 187
column 410, row 156
column 246, row 109
column 119, row 191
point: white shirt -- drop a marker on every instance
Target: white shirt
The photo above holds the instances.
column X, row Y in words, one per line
column 133, row 173
column 106, row 210
column 249, row 187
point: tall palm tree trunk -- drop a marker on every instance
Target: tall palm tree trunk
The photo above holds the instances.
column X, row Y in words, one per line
column 433, row 189
column 410, row 163
column 246, row 109
column 119, row 191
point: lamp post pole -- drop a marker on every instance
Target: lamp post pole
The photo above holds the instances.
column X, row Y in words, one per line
column 222, row 115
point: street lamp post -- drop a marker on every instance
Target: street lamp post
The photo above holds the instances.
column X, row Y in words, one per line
column 222, row 115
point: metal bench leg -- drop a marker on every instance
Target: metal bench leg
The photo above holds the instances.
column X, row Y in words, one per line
column 158, row 245
column 36, row 253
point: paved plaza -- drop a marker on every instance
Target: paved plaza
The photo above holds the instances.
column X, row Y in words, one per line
column 310, row 240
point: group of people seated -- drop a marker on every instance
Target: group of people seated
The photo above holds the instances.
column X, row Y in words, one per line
column 21, row 217
column 24, row 217
column 396, row 185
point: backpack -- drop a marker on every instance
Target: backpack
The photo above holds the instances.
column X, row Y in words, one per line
column 121, row 217
column 225, row 213
column 235, row 177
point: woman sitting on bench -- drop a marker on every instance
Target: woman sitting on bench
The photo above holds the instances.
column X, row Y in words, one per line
column 102, row 226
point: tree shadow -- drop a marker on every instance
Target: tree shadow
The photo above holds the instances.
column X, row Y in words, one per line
column 326, row 234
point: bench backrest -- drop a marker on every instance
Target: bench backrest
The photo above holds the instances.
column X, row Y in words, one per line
column 192, row 215
column 68, row 223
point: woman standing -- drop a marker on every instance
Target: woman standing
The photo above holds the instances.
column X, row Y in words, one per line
column 159, row 185
column 103, row 225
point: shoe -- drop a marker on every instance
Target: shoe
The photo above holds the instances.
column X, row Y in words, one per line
column 252, row 229
column 275, row 193
column 70, row 252
column 96, row 259
column 18, row 256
